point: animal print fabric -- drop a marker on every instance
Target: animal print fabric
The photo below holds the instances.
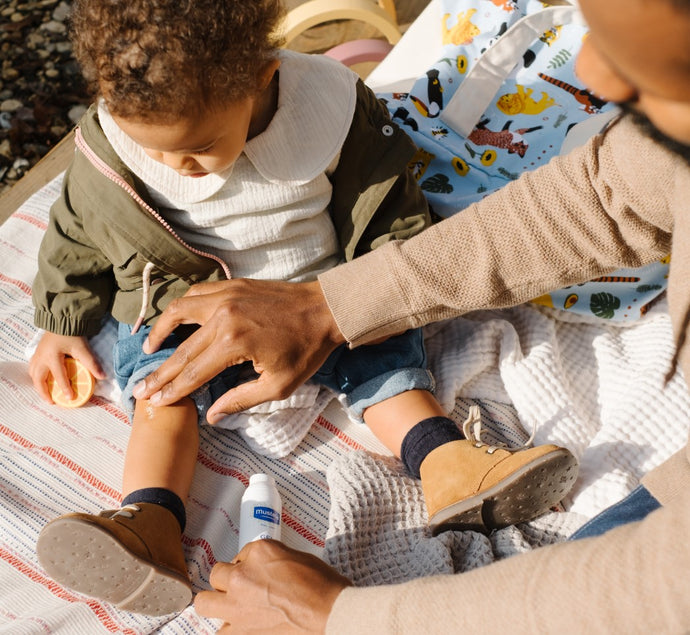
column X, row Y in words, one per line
column 539, row 104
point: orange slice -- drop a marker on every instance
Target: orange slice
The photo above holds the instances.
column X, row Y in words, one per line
column 82, row 382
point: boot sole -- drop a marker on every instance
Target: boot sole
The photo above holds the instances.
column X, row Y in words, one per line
column 527, row 493
column 84, row 557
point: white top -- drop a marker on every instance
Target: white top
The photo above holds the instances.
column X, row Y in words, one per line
column 267, row 215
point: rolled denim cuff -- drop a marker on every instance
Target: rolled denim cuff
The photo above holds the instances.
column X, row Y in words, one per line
column 388, row 385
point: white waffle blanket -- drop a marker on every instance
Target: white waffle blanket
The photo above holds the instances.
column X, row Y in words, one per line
column 594, row 388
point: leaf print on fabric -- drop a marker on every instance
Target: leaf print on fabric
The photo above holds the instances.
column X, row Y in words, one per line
column 438, row 183
column 604, row 305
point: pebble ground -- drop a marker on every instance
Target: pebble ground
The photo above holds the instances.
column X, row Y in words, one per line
column 42, row 94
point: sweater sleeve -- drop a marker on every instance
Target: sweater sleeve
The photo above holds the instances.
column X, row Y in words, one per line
column 621, row 581
column 583, row 215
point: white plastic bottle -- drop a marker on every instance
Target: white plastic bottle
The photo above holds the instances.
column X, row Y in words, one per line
column 260, row 510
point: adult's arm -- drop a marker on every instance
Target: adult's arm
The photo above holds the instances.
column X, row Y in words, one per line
column 632, row 579
column 584, row 215
column 605, row 206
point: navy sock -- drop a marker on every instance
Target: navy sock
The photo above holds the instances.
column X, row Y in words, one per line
column 159, row 496
column 426, row 436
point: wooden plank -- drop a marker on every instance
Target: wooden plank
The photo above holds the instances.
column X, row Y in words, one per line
column 43, row 172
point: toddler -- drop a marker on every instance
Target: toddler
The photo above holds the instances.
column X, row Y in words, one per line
column 209, row 152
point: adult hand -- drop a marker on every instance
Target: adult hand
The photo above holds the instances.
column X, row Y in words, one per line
column 285, row 329
column 271, row 588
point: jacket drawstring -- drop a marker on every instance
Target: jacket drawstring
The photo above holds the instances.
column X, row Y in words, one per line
column 146, row 289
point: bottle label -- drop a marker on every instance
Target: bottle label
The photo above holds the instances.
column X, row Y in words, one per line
column 267, row 514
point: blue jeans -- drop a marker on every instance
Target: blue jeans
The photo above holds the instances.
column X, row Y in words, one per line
column 635, row 506
column 366, row 375
column 369, row 374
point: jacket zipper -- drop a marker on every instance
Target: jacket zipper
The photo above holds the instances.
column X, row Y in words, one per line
column 107, row 171
column 111, row 174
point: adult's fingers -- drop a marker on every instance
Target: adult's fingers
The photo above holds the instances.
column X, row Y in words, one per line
column 192, row 308
column 217, row 603
column 220, row 573
column 267, row 387
column 213, row 604
column 195, row 361
column 285, row 329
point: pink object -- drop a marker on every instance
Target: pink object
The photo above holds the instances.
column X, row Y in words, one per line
column 357, row 51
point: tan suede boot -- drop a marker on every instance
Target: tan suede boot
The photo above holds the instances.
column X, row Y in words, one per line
column 131, row 557
column 469, row 485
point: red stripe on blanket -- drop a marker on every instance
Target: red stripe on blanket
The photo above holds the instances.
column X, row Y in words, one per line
column 110, row 408
column 206, row 461
column 205, row 547
column 63, row 460
column 64, row 594
column 337, row 432
column 26, row 288
column 31, row 220
column 82, row 473
column 296, row 526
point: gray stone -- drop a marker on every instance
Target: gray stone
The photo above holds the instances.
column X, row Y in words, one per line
column 53, row 26
column 75, row 113
column 10, row 74
column 5, row 148
column 61, row 12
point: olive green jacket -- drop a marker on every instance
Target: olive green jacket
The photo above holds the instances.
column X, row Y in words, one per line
column 103, row 230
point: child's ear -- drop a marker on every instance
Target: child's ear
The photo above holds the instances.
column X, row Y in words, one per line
column 267, row 74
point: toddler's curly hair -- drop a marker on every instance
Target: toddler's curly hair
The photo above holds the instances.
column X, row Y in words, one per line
column 158, row 60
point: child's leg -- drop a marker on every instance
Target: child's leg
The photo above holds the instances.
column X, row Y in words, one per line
column 162, row 449
column 133, row 557
column 391, row 419
column 468, row 484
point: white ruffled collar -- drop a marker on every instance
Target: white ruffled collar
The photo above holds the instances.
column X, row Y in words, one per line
column 316, row 103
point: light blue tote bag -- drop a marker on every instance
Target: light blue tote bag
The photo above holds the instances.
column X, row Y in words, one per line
column 504, row 99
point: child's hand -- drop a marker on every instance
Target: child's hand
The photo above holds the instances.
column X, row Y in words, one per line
column 49, row 359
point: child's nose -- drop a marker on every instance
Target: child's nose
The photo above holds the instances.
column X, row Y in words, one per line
column 178, row 161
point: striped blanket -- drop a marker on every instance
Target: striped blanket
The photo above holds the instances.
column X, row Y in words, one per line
column 56, row 460
column 596, row 388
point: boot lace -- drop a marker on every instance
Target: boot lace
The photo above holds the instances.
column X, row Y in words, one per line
column 126, row 511
column 472, row 429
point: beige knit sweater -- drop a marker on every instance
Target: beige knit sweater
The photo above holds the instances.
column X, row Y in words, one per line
column 620, row 201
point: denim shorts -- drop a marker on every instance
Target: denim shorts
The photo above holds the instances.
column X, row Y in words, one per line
column 366, row 375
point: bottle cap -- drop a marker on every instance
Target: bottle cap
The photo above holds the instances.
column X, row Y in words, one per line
column 261, row 478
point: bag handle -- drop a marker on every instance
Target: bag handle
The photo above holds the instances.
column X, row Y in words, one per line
column 484, row 80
